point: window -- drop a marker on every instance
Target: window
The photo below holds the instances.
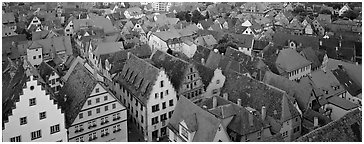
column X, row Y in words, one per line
column 259, row 135
column 171, row 102
column 161, row 95
column 156, row 95
column 141, row 108
column 285, row 134
column 155, row 108
column 89, row 113
column 114, row 106
column 97, row 90
column 141, row 119
column 215, row 91
column 163, row 117
column 191, row 69
column 39, row 56
column 80, row 115
column 42, row 115
column 32, row 102
column 136, row 113
column 34, row 57
column 23, row 121
column 55, row 129
column 105, row 98
column 89, row 102
column 15, row 139
column 170, row 114
column 97, row 100
column 217, row 81
column 162, row 84
column 36, row 134
column 98, row 110
column 154, row 120
column 166, row 92
column 164, row 105
column 106, row 108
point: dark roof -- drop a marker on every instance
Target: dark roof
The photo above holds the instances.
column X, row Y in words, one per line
column 205, row 73
column 76, row 91
column 311, row 56
column 345, row 129
column 310, row 114
column 197, row 119
column 118, row 59
column 138, row 76
column 256, row 94
column 175, row 68
column 347, row 82
column 342, row 103
column 280, row 38
column 11, row 50
column 259, row 45
column 329, row 45
column 201, row 53
column 46, row 70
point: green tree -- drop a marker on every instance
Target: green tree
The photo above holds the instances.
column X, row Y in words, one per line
column 350, row 14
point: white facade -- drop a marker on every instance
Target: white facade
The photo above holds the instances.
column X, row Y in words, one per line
column 143, row 114
column 343, row 9
column 68, row 31
column 161, row 6
column 32, row 103
column 299, row 73
column 104, row 119
column 35, row 21
column 35, row 56
column 129, row 16
column 157, row 43
column 217, row 82
column 55, row 82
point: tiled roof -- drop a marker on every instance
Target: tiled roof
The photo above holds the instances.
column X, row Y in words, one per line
column 259, row 45
column 75, row 92
column 225, row 63
column 201, row 53
column 138, row 76
column 289, row 60
column 205, row 124
column 310, row 114
column 118, row 59
column 10, row 50
column 354, row 71
column 166, row 35
column 311, row 56
column 175, row 68
column 342, row 103
column 53, row 45
column 108, row 48
column 281, row 39
column 326, row 81
column 345, row 129
column 256, row 94
column 347, row 82
column 46, row 70
column 8, row 17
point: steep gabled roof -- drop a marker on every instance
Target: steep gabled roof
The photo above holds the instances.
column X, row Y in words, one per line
column 354, row 71
column 205, row 124
column 76, row 91
column 138, row 76
column 205, row 73
column 311, row 56
column 345, row 129
column 174, row 67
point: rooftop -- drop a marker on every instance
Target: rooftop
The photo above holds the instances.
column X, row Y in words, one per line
column 289, row 60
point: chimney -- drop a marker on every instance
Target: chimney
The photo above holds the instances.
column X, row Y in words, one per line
column 337, row 48
column 204, row 107
column 320, row 42
column 340, row 43
column 315, row 122
column 239, row 102
column 264, row 112
column 251, row 119
column 225, row 96
column 202, row 61
column 214, row 102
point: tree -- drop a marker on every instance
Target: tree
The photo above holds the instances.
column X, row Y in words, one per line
column 196, row 16
column 350, row 14
column 325, row 11
column 181, row 15
column 226, row 41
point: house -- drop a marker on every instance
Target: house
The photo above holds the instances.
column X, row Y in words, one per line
column 242, row 124
column 259, row 45
column 347, row 128
column 184, row 76
column 30, row 109
column 294, row 41
column 133, row 12
column 281, row 19
column 10, row 47
column 327, row 83
column 338, row 107
column 292, row 65
column 161, row 6
column 344, row 9
column 312, row 56
column 51, row 76
column 191, row 123
column 7, row 31
column 213, row 80
column 354, row 91
column 34, row 22
column 354, row 71
column 318, row 27
column 8, row 19
column 102, row 48
column 308, row 29
column 207, row 41
column 159, row 40
column 282, row 115
column 93, row 113
column 324, row 19
column 149, row 95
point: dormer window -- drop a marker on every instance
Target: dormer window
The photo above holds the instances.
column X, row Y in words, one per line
column 184, row 132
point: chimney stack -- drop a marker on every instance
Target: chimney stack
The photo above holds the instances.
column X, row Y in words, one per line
column 214, row 102
column 251, row 119
column 202, row 61
column 225, row 96
column 320, row 42
column 315, row 122
column 239, row 102
column 264, row 112
column 204, row 107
